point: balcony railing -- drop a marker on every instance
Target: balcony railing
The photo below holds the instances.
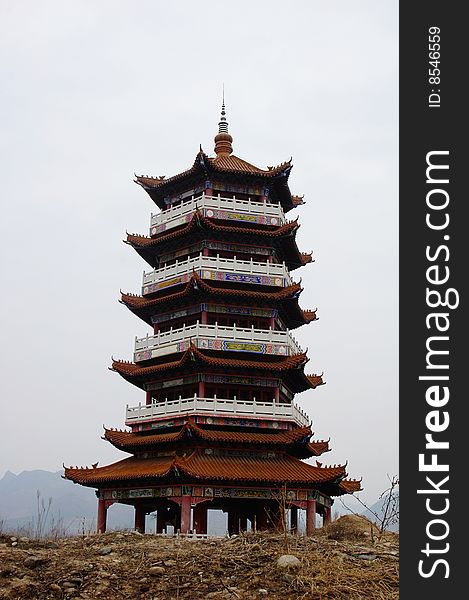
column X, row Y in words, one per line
column 216, row 268
column 216, row 407
column 218, row 207
column 216, row 337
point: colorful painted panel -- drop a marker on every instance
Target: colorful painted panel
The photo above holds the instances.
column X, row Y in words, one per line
column 227, row 215
column 233, row 346
column 240, row 310
column 164, row 258
column 158, row 385
column 243, row 278
column 220, row 246
column 238, row 248
column 213, row 492
column 239, row 422
column 230, row 380
column 166, row 283
column 169, row 316
column 216, row 276
column 224, row 186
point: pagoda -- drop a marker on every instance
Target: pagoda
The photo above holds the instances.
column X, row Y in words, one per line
column 219, row 428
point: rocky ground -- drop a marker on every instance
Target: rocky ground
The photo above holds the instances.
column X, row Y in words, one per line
column 344, row 561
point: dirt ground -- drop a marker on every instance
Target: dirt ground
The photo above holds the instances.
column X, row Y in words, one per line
column 344, row 561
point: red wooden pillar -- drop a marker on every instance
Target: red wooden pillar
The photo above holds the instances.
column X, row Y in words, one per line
column 203, row 317
column 201, row 391
column 200, row 518
column 272, row 323
column 310, row 516
column 277, row 394
column 102, row 515
column 140, row 518
column 185, row 514
column 294, row 518
column 148, row 397
column 155, row 328
column 327, row 516
column 205, row 251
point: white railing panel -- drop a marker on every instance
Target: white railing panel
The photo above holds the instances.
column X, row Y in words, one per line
column 201, row 335
column 215, row 207
column 213, row 406
column 209, row 265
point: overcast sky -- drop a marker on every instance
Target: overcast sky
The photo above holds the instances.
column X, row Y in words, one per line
column 95, row 91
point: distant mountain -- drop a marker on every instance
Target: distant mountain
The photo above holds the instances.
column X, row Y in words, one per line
column 24, row 501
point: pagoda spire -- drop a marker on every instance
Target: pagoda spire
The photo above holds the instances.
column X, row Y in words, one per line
column 223, row 139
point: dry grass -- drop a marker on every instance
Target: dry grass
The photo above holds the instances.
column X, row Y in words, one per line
column 242, row 567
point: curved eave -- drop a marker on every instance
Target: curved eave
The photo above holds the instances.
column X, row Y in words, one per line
column 350, row 486
column 278, row 469
column 123, row 470
column 290, row 369
column 232, row 166
column 196, row 283
column 282, row 238
column 296, row 380
column 318, row 447
column 296, row 361
column 129, row 441
column 285, row 300
column 140, row 242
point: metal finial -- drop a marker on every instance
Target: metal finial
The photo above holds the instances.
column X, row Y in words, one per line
column 223, row 139
column 223, row 125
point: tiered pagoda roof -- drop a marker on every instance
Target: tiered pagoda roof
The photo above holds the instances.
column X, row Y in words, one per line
column 297, row 440
column 290, row 367
column 285, row 300
column 224, row 164
column 269, row 467
column 282, row 237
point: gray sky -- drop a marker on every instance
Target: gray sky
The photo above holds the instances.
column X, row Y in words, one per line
column 95, row 91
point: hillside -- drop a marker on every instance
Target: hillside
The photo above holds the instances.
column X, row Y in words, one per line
column 72, row 508
column 342, row 562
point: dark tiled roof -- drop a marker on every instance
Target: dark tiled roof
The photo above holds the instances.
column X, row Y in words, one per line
column 287, row 292
column 142, row 241
column 233, row 164
column 144, row 306
column 126, row 469
column 294, row 361
column 229, row 164
column 273, row 467
column 127, row 439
